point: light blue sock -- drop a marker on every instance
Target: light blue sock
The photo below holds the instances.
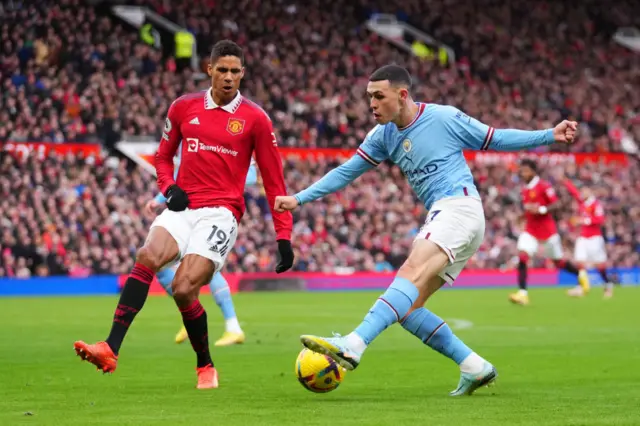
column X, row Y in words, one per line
column 391, row 307
column 165, row 278
column 436, row 334
column 222, row 296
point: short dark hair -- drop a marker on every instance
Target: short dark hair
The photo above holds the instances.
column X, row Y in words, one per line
column 529, row 163
column 397, row 75
column 226, row 48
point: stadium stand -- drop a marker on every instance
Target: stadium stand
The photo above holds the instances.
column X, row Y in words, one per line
column 307, row 65
column 74, row 215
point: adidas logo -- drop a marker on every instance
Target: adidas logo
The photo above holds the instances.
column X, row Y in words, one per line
column 195, row 121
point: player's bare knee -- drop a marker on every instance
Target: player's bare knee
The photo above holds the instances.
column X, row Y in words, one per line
column 185, row 290
column 426, row 260
column 410, row 271
column 147, row 257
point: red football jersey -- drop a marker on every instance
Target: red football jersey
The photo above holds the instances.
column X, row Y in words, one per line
column 217, row 145
column 591, row 213
column 539, row 193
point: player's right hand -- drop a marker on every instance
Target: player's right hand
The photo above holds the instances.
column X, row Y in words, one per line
column 151, row 206
column 177, row 199
column 285, row 203
column 565, row 132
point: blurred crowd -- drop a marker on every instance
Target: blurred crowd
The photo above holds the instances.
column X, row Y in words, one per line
column 70, row 215
column 70, row 74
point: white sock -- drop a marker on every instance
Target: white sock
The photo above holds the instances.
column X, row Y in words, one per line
column 356, row 343
column 473, row 364
column 233, row 326
column 522, row 292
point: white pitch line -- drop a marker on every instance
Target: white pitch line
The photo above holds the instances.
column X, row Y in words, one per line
column 459, row 324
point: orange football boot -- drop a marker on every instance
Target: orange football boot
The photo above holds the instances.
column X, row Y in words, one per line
column 207, row 377
column 99, row 354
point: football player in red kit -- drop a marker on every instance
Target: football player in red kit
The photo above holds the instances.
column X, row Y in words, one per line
column 220, row 131
column 539, row 199
column 590, row 250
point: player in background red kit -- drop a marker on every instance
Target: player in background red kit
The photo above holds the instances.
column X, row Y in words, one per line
column 539, row 199
column 220, row 131
column 590, row 250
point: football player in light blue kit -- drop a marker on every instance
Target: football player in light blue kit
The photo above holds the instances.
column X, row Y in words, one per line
column 233, row 333
column 426, row 142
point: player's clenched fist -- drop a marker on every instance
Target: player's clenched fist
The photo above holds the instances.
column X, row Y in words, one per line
column 566, row 131
column 177, row 199
column 285, row 203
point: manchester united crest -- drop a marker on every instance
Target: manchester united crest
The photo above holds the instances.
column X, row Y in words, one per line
column 235, row 126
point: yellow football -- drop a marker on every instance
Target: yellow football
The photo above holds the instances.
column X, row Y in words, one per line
column 318, row 373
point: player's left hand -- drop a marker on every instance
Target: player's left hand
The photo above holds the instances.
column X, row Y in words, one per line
column 565, row 132
column 285, row 256
column 177, row 199
column 151, row 206
column 285, row 203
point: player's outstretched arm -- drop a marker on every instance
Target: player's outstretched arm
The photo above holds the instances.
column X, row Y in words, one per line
column 572, row 190
column 371, row 153
column 477, row 135
column 333, row 181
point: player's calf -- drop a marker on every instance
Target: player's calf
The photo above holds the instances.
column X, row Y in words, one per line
column 521, row 297
column 165, row 278
column 434, row 332
column 159, row 249
column 222, row 296
column 576, row 269
column 523, row 261
column 412, row 285
column 567, row 266
column 194, row 272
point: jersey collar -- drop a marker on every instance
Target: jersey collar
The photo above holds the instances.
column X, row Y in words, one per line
column 421, row 107
column 533, row 182
column 589, row 201
column 231, row 107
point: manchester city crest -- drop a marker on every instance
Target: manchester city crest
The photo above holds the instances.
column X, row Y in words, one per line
column 406, row 145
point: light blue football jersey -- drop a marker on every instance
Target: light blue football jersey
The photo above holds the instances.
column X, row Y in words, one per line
column 430, row 153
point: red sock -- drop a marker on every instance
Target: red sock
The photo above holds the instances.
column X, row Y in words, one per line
column 194, row 318
column 522, row 270
column 132, row 299
column 566, row 265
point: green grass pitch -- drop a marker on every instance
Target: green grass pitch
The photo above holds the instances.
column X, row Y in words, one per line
column 560, row 362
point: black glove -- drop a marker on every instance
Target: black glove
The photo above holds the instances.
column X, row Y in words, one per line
column 285, row 256
column 177, row 199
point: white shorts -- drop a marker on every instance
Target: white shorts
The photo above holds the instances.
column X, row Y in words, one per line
column 456, row 225
column 208, row 232
column 590, row 250
column 552, row 247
